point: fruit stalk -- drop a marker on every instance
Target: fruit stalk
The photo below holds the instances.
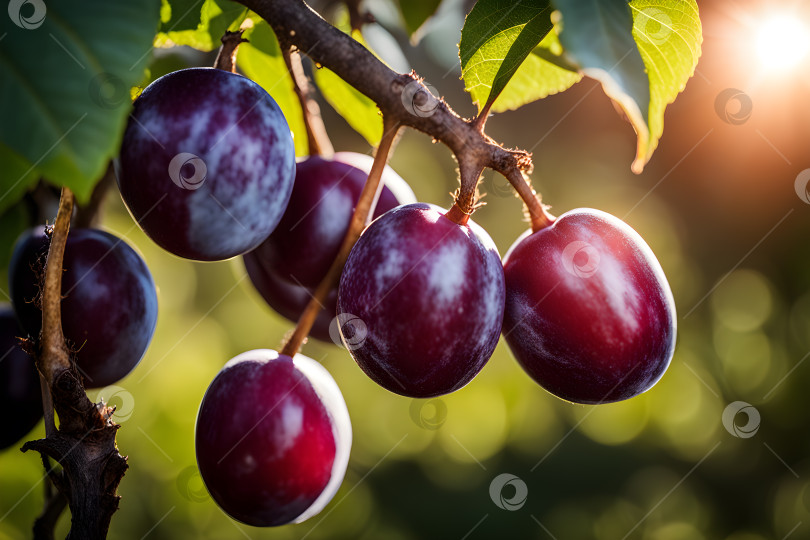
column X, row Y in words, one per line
column 226, row 58
column 84, row 445
column 317, row 139
column 362, row 212
column 538, row 215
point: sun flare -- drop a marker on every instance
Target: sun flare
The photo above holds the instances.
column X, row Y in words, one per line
column 783, row 42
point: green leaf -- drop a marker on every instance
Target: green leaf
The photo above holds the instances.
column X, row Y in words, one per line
column 416, row 12
column 597, row 36
column 543, row 73
column 198, row 23
column 358, row 110
column 261, row 60
column 669, row 37
column 498, row 35
column 64, row 89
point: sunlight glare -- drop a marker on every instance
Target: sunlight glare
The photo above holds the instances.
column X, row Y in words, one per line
column 782, row 42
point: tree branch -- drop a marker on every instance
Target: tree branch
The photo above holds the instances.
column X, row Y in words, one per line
column 226, row 57
column 401, row 97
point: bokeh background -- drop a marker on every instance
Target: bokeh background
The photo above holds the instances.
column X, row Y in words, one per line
column 718, row 205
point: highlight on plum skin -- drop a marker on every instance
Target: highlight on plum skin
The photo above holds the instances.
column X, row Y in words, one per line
column 287, row 267
column 207, row 163
column 20, row 394
column 273, row 438
column 589, row 312
column 110, row 306
column 421, row 301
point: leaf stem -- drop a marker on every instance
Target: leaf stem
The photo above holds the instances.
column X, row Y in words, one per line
column 361, row 217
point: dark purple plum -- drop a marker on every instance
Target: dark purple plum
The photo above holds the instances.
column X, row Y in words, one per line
column 589, row 313
column 288, row 266
column 20, row 395
column 273, row 438
column 421, row 301
column 288, row 299
column 207, row 163
column 109, row 310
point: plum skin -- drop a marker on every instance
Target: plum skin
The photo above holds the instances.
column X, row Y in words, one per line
column 247, row 158
column 109, row 309
column 589, row 312
column 430, row 296
column 20, row 394
column 272, row 438
column 288, row 266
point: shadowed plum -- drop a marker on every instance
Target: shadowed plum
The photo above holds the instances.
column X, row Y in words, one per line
column 20, row 395
column 207, row 163
column 109, row 310
column 589, row 313
column 273, row 438
column 288, row 266
column 421, row 300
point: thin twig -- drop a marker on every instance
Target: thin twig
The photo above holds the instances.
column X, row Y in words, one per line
column 362, row 212
column 226, row 58
column 318, row 140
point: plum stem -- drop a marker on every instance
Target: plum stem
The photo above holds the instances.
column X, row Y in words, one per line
column 537, row 212
column 226, row 58
column 317, row 139
column 360, row 219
